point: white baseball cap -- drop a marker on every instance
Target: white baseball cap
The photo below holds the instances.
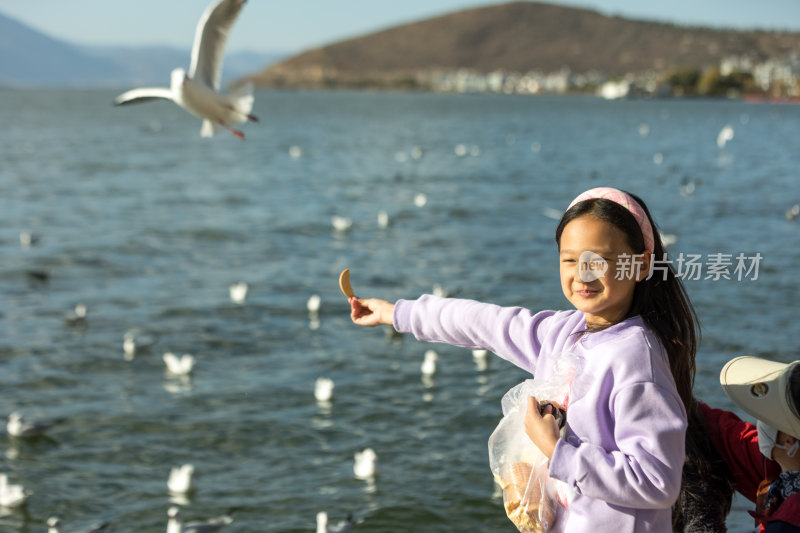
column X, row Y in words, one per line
column 759, row 387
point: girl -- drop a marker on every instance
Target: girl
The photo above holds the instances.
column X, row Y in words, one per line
column 623, row 451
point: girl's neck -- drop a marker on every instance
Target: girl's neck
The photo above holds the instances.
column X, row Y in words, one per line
column 594, row 323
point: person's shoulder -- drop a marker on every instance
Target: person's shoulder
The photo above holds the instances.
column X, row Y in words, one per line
column 631, row 352
column 568, row 322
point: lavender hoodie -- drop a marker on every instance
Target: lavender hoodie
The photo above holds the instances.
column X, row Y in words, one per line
column 624, row 449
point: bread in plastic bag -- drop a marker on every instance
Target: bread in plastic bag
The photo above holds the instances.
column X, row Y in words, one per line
column 531, row 498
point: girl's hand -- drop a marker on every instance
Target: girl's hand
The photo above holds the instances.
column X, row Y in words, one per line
column 542, row 429
column 371, row 311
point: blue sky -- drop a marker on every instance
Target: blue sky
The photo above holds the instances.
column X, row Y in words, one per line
column 286, row 26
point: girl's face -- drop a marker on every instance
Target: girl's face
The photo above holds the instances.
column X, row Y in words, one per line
column 604, row 300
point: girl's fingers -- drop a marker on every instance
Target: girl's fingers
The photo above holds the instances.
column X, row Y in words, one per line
column 356, row 308
column 533, row 407
column 361, row 312
column 370, row 311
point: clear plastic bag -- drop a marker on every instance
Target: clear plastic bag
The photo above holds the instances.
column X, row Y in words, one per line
column 530, row 496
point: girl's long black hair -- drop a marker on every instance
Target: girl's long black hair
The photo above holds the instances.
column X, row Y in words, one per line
column 662, row 302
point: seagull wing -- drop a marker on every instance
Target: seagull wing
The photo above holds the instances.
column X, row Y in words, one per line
column 212, row 526
column 342, row 527
column 209, row 41
column 36, row 428
column 172, row 362
column 144, row 94
column 186, row 363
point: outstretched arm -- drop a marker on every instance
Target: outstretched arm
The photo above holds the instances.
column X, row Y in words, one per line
column 513, row 333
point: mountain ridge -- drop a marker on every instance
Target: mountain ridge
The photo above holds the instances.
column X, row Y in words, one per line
column 522, row 36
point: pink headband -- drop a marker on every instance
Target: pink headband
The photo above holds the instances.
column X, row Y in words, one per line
column 626, row 201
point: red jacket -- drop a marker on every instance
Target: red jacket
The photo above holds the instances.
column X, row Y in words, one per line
column 737, row 443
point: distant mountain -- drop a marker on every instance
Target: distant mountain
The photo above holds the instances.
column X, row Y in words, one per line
column 521, row 37
column 28, row 57
column 31, row 58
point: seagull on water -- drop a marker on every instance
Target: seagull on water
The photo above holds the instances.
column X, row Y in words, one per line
column 12, row 496
column 135, row 340
column 383, row 219
column 481, row 358
column 323, row 389
column 365, row 465
column 313, row 304
column 341, row 224
column 428, row 367
column 18, row 426
column 725, row 134
column 324, row 527
column 180, row 479
column 198, row 90
column 178, row 366
column 440, row 291
column 28, row 239
column 175, row 525
column 76, row 317
column 238, row 292
column 54, row 526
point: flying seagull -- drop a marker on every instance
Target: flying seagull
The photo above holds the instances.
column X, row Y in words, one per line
column 198, row 90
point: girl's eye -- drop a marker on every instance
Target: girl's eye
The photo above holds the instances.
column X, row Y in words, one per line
column 567, row 260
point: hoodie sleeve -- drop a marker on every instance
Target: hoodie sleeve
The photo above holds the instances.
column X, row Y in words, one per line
column 513, row 333
column 644, row 471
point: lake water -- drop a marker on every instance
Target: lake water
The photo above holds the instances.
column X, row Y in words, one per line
column 148, row 224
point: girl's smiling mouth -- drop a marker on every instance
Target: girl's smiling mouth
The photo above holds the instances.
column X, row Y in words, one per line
column 586, row 293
